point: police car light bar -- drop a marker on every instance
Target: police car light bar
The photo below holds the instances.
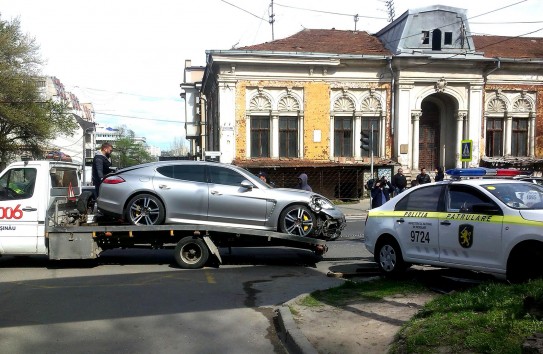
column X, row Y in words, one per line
column 482, row 172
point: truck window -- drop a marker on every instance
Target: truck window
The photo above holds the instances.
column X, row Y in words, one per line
column 63, row 177
column 18, row 183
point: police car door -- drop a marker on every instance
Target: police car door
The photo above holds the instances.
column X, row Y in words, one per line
column 19, row 211
column 416, row 220
column 467, row 235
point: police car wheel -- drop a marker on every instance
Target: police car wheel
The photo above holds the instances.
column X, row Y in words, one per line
column 524, row 263
column 389, row 257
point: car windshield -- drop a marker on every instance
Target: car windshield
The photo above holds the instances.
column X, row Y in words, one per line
column 518, row 195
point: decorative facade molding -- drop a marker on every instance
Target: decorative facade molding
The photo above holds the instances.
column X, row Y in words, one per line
column 288, row 103
column 344, row 104
column 260, row 103
column 372, row 104
column 496, row 105
column 441, row 85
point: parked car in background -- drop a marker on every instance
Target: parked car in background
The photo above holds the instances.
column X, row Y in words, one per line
column 488, row 225
column 207, row 193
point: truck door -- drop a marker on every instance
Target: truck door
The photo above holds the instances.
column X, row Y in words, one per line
column 19, row 211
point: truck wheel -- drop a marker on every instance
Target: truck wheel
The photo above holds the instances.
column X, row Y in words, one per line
column 388, row 256
column 145, row 209
column 191, row 253
column 297, row 220
column 85, row 202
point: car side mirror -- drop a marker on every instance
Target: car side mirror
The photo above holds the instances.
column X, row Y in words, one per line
column 246, row 184
column 486, row 208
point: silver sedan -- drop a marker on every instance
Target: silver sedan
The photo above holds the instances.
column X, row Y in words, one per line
column 207, row 193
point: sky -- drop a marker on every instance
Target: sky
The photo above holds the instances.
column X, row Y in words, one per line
column 127, row 57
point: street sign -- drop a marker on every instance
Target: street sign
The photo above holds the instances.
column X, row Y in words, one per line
column 213, row 153
column 467, row 148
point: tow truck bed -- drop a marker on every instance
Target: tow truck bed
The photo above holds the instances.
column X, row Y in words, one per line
column 69, row 242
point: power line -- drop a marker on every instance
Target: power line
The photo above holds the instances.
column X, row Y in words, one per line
column 505, row 22
column 329, row 12
column 459, row 21
column 239, row 8
column 120, row 92
column 142, row 118
column 480, row 48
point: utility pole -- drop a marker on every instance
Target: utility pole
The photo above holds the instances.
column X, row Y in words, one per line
column 271, row 18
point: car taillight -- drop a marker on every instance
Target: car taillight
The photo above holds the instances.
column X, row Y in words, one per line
column 113, row 180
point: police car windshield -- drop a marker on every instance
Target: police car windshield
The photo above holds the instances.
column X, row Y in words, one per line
column 518, row 195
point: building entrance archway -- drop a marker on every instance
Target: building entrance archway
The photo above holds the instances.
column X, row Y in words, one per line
column 439, row 132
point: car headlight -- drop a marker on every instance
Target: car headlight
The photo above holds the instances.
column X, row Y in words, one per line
column 321, row 203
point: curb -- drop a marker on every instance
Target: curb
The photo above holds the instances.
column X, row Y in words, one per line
column 291, row 336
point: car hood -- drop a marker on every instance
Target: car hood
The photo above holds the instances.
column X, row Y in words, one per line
column 532, row 215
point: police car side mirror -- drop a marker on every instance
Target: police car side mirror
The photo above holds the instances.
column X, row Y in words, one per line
column 486, row 208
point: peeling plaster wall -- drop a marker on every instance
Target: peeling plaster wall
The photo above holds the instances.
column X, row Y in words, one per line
column 317, row 117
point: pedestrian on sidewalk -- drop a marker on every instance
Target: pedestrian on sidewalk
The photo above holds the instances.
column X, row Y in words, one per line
column 439, row 174
column 399, row 182
column 378, row 197
column 302, row 183
column 423, row 177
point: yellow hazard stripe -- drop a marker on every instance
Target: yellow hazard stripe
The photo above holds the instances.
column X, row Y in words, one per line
column 457, row 216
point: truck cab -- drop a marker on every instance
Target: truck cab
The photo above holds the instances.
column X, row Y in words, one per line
column 34, row 194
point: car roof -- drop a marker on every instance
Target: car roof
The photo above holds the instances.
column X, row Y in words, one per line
column 178, row 162
column 482, row 181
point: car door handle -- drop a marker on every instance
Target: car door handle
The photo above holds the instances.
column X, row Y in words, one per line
column 163, row 186
column 29, row 209
column 446, row 223
column 216, row 193
column 401, row 220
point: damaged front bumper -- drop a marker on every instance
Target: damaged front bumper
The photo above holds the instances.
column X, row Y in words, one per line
column 330, row 220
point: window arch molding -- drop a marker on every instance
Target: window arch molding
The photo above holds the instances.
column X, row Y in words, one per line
column 344, row 104
column 289, row 103
column 497, row 105
column 260, row 103
column 372, row 104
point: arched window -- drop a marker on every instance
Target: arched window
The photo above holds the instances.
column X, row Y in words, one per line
column 260, row 107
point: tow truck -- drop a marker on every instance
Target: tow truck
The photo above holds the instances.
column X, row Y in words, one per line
column 45, row 209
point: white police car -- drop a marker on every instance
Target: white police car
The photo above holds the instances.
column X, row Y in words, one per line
column 488, row 225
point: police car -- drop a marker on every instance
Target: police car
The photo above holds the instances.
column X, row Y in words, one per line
column 488, row 225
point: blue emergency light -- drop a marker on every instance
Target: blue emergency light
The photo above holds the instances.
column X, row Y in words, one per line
column 482, row 172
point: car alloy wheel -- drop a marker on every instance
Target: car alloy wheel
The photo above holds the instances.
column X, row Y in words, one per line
column 145, row 209
column 297, row 220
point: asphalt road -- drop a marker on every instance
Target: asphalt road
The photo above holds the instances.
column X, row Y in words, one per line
column 138, row 301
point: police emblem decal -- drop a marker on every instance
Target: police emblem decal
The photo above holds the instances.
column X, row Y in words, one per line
column 465, row 235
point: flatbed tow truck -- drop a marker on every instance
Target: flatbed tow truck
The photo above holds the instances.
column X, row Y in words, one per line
column 45, row 210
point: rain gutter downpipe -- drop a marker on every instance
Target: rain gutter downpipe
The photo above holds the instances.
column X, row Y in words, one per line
column 392, row 90
column 498, row 66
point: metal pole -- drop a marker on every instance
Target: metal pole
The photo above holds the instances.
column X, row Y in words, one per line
column 371, row 162
column 83, row 157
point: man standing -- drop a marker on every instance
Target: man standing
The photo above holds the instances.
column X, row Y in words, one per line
column 423, row 177
column 101, row 165
column 302, row 183
column 399, row 182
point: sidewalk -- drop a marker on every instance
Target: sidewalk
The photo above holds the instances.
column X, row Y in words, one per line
column 356, row 209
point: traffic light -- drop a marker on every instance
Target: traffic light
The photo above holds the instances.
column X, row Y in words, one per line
column 365, row 141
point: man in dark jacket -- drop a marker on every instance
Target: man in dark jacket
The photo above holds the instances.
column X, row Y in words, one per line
column 302, row 183
column 423, row 177
column 399, row 182
column 101, row 165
